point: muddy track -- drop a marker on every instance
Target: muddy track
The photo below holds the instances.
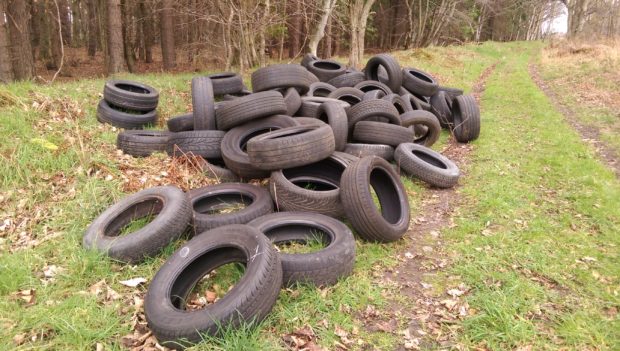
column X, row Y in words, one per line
column 424, row 256
column 589, row 134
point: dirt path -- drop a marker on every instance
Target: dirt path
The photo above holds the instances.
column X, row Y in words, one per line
column 423, row 257
column 589, row 134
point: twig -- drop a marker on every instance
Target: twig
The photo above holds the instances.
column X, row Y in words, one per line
column 62, row 47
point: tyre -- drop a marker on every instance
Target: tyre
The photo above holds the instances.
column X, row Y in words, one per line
column 351, row 96
column 142, row 143
column 372, row 109
column 466, row 118
column 181, row 123
column 205, row 143
column 335, row 115
column 217, row 171
column 281, row 76
column 440, row 107
column 226, row 83
column 172, row 211
column 451, row 92
column 320, row 89
column 326, row 69
column 411, row 102
column 292, row 101
column 312, row 78
column 310, row 106
column 370, row 132
column 249, row 301
column 305, row 61
column 235, row 142
column 127, row 120
column 309, row 121
column 229, row 203
column 321, row 268
column 374, row 95
column 369, row 85
column 203, row 104
column 291, row 147
column 427, row 165
column 399, row 103
column 347, row 79
column 311, row 188
column 392, row 69
column 233, row 96
column 249, row 108
column 424, row 136
column 423, row 101
column 390, row 222
column 130, row 95
column 386, row 152
column 419, row 82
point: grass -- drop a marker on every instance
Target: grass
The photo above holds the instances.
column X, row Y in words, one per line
column 313, row 243
column 544, row 275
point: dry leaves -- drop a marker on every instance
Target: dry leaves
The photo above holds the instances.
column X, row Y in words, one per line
column 27, row 296
column 104, row 292
column 302, row 339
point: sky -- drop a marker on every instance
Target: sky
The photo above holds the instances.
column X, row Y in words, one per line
column 558, row 24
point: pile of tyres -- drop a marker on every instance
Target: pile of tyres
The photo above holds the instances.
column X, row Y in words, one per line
column 332, row 141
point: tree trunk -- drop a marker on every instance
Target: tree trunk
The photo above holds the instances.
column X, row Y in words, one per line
column 167, row 34
column 116, row 61
column 327, row 44
column 294, row 30
column 147, row 31
column 93, row 27
column 6, row 70
column 127, row 12
column 19, row 31
column 65, row 19
column 55, row 30
column 326, row 12
column 360, row 10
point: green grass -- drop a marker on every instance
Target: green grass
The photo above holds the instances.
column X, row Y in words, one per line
column 531, row 183
column 313, row 243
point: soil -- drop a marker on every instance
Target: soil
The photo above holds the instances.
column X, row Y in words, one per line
column 589, row 134
column 423, row 258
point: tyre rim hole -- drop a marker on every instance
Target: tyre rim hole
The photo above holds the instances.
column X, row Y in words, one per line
column 298, row 238
column 134, row 218
column 315, row 184
column 222, row 203
column 385, row 194
column 330, row 66
column 244, row 141
column 291, row 133
column 350, row 99
column 132, row 88
column 321, row 92
column 421, row 76
column 429, row 159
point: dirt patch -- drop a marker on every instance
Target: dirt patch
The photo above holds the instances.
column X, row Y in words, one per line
column 430, row 322
column 589, row 134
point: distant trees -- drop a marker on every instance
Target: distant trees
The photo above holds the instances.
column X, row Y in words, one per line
column 247, row 33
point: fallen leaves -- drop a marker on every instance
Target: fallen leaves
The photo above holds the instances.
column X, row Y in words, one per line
column 28, row 297
column 104, row 292
column 303, row 339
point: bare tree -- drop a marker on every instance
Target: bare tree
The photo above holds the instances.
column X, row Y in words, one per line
column 6, row 71
column 116, row 61
column 319, row 32
column 167, row 34
column 19, row 31
column 359, row 10
column 93, row 27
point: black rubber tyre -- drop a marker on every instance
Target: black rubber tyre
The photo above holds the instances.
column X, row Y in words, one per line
column 391, row 66
column 426, row 165
column 235, row 142
column 451, row 92
column 440, row 107
column 111, row 115
column 320, row 89
column 419, row 82
column 181, row 123
column 326, row 69
column 411, row 102
column 305, row 61
column 351, row 96
column 370, row 109
column 311, row 188
column 217, row 171
column 369, row 85
column 309, row 121
column 226, row 83
column 206, row 201
column 385, row 225
column 203, row 104
column 321, row 268
column 233, row 96
column 466, row 118
column 370, row 132
column 347, row 79
column 205, row 143
column 142, row 143
column 280, row 76
column 249, row 301
column 292, row 101
column 399, row 103
column 423, row 136
column 423, row 101
column 335, row 115
column 248, row 108
column 312, row 78
column 291, row 147
column 310, row 105
column 374, row 95
column 386, row 152
column 130, row 95
column 172, row 211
